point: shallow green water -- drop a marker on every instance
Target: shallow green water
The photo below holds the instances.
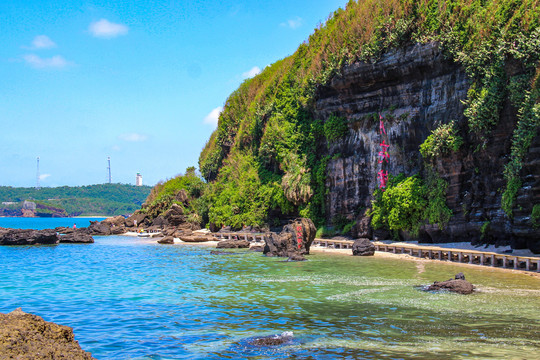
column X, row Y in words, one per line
column 132, row 300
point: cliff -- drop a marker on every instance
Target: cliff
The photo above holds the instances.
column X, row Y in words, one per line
column 424, row 89
column 456, row 85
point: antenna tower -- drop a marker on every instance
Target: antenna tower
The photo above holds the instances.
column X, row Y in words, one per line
column 109, row 178
column 37, row 175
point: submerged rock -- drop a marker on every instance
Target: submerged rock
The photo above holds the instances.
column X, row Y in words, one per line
column 272, row 340
column 458, row 285
column 28, row 337
column 363, row 247
column 28, row 237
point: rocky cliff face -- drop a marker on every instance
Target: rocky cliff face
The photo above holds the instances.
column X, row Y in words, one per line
column 416, row 89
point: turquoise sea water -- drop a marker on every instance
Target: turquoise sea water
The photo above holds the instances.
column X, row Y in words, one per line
column 128, row 298
column 45, row 223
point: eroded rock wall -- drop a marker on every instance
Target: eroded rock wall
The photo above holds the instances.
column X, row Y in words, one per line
column 416, row 89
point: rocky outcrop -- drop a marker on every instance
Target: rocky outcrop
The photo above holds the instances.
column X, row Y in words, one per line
column 76, row 238
column 272, row 340
column 458, row 285
column 363, row 247
column 28, row 237
column 293, row 242
column 166, row 240
column 416, row 89
column 28, row 337
column 196, row 238
column 233, row 244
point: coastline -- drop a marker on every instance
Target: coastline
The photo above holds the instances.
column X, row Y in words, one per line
column 315, row 249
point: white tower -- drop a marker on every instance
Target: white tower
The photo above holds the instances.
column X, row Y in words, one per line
column 109, row 178
column 138, row 180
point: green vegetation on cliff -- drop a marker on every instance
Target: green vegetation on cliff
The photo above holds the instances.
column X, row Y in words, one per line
column 269, row 154
column 103, row 199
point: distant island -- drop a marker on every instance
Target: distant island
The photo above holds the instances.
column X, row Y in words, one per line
column 103, row 199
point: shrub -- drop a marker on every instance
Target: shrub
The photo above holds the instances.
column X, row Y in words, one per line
column 535, row 216
column 442, row 141
column 335, row 128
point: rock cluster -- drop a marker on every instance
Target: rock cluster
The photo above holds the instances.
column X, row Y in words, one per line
column 28, row 237
column 28, row 337
column 293, row 242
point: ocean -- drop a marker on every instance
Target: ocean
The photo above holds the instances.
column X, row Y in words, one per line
column 128, row 298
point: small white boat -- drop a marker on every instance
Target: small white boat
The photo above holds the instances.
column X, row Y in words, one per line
column 143, row 234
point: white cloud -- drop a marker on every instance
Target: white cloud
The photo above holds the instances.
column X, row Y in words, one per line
column 42, row 42
column 293, row 23
column 133, row 137
column 251, row 73
column 55, row 62
column 106, row 29
column 44, row 176
column 213, row 117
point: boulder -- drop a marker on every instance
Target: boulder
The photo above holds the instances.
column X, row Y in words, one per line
column 295, row 239
column 175, row 209
column 257, row 248
column 27, row 337
column 99, row 228
column 196, row 238
column 363, row 247
column 233, row 244
column 166, row 240
column 296, row 257
column 116, row 221
column 458, row 285
column 117, row 230
column 28, row 237
column 76, row 238
column 137, row 218
column 160, row 221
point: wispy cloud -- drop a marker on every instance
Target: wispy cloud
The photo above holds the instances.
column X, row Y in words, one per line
column 55, row 62
column 41, row 42
column 251, row 73
column 44, row 176
column 213, row 117
column 293, row 23
column 106, row 29
column 133, row 137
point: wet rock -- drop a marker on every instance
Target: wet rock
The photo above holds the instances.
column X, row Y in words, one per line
column 215, row 252
column 296, row 257
column 295, row 238
column 272, row 340
column 363, row 247
column 166, row 240
column 458, row 285
column 28, row 337
column 257, row 248
column 233, row 244
column 76, row 238
column 28, row 237
column 99, row 228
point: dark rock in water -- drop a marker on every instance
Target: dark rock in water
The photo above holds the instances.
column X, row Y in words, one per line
column 215, row 252
column 28, row 337
column 257, row 248
column 233, row 244
column 166, row 240
column 28, row 237
column 363, row 247
column 272, row 340
column 458, row 285
column 459, row 276
column 296, row 238
column 76, row 238
column 296, row 257
column 99, row 228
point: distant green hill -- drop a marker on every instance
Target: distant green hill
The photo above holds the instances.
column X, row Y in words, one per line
column 104, row 199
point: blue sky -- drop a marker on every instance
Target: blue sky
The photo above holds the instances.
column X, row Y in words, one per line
column 139, row 81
